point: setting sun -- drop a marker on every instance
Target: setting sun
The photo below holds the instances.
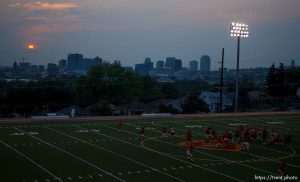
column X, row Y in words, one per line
column 31, row 46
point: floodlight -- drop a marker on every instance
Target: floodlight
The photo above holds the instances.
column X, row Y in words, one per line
column 239, row 29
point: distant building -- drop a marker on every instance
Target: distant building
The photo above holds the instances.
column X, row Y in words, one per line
column 24, row 66
column 62, row 64
column 52, row 69
column 128, row 68
column 293, row 64
column 193, row 65
column 15, row 66
column 212, row 99
column 145, row 67
column 89, row 62
column 41, row 68
column 34, row 69
column 160, row 64
column 140, row 69
column 148, row 64
column 75, row 62
column 173, row 63
column 205, row 63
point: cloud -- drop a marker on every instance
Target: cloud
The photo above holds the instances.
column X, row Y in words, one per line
column 44, row 6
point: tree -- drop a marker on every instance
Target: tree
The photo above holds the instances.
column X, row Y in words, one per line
column 169, row 90
column 194, row 105
column 110, row 82
column 271, row 80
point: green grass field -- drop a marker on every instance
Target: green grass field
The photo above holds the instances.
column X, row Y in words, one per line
column 98, row 151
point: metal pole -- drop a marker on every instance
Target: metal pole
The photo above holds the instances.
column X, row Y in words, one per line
column 237, row 76
column 221, row 82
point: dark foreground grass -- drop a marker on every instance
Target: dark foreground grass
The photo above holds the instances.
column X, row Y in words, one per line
column 98, row 151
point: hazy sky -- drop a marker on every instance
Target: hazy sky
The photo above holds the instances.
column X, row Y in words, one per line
column 130, row 30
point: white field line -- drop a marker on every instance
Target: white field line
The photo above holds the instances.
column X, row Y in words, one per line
column 277, row 119
column 162, row 153
column 269, row 159
column 117, row 154
column 252, row 144
column 73, row 155
column 257, row 147
column 211, row 155
column 32, row 161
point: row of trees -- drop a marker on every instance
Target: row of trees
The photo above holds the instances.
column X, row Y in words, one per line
column 283, row 82
column 110, row 83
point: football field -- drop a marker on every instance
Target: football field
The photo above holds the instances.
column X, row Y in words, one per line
column 99, row 151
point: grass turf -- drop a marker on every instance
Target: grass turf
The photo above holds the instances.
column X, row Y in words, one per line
column 98, row 151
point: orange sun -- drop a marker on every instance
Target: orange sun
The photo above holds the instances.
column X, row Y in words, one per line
column 31, row 46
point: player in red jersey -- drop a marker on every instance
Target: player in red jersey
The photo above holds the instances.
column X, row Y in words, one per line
column 207, row 134
column 189, row 152
column 164, row 133
column 172, row 131
column 220, row 143
column 281, row 168
column 188, row 137
column 142, row 133
column 119, row 125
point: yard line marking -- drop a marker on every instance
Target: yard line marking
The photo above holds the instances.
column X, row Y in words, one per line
column 272, row 159
column 173, row 168
column 79, row 177
column 129, row 173
column 147, row 171
column 69, row 178
column 73, row 155
column 100, row 175
column 132, row 160
column 165, row 169
column 120, row 173
column 90, row 176
column 183, row 161
column 47, row 180
column 138, row 171
column 32, row 161
column 258, row 169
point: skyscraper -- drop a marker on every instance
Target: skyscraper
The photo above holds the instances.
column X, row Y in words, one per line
column 75, row 61
column 205, row 63
column 148, row 64
column 160, row 64
column 174, row 64
column 62, row 64
column 145, row 67
column 194, row 65
column 52, row 69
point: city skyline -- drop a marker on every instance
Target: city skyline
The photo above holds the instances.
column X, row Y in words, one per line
column 132, row 30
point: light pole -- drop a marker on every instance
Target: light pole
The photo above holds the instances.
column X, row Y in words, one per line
column 238, row 30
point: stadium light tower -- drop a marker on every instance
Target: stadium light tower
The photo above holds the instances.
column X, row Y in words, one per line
column 238, row 30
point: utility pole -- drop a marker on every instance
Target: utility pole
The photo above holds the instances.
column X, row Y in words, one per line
column 221, row 81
